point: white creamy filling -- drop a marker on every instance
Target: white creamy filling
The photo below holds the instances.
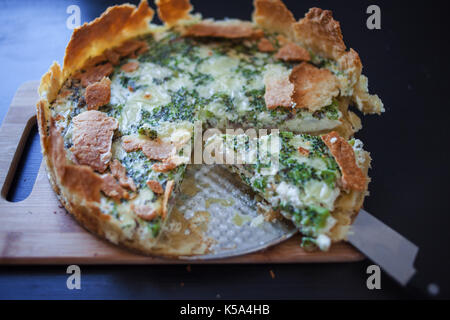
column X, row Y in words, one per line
column 315, row 192
column 323, row 242
column 360, row 154
column 288, row 193
column 309, row 124
column 320, row 192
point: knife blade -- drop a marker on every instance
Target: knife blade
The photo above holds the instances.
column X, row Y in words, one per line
column 390, row 250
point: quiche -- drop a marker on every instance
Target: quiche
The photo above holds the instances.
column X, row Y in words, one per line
column 119, row 120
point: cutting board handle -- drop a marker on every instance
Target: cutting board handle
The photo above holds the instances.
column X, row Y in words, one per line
column 16, row 126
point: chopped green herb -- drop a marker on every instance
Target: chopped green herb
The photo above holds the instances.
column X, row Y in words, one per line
column 149, row 132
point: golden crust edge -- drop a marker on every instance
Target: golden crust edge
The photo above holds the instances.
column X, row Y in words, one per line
column 275, row 16
column 113, row 27
column 348, row 205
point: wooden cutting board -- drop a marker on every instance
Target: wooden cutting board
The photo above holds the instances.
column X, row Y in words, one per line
column 38, row 230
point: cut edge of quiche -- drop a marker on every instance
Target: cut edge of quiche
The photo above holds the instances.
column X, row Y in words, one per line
column 316, row 38
column 316, row 182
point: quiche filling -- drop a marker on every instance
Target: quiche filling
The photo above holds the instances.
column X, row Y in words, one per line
column 296, row 174
column 130, row 115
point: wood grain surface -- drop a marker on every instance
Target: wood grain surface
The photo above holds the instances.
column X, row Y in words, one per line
column 38, row 230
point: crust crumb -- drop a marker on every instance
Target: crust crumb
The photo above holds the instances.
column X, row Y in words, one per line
column 228, row 30
column 170, row 11
column 167, row 192
column 96, row 74
column 352, row 176
column 112, row 56
column 83, row 181
column 257, row 34
column 155, row 186
column 264, row 45
column 59, row 117
column 303, row 151
column 313, row 88
column 131, row 143
column 142, row 49
column 273, row 15
column 319, row 32
column 130, row 66
column 279, row 91
column 65, row 92
column 144, row 212
column 292, row 52
column 153, row 149
column 56, row 151
column 272, row 274
column 98, row 94
column 366, row 102
column 112, row 189
column 130, row 47
column 164, row 166
column 92, row 62
column 351, row 63
column 119, row 171
column 80, row 180
column 92, row 138
column 282, row 40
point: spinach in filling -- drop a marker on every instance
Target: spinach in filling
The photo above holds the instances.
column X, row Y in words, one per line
column 131, row 83
column 182, row 56
column 139, row 168
column 171, row 51
column 182, row 108
column 310, row 217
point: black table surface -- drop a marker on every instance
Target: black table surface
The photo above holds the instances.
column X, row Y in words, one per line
column 407, row 66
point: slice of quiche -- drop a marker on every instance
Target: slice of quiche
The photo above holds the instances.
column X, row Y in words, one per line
column 317, row 182
column 117, row 121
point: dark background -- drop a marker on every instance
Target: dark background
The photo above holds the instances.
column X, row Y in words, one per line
column 407, row 66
